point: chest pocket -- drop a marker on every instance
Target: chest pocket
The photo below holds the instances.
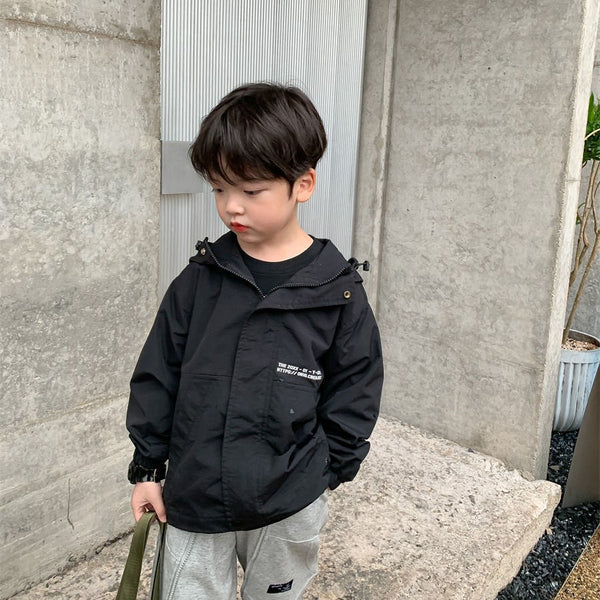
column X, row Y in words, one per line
column 303, row 338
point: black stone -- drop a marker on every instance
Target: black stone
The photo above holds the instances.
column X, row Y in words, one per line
column 550, row 562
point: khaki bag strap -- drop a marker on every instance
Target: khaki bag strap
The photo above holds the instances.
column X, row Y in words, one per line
column 130, row 580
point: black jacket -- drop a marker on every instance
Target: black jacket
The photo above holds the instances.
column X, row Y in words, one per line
column 259, row 403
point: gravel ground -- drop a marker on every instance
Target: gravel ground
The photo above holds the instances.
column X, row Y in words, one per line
column 550, row 562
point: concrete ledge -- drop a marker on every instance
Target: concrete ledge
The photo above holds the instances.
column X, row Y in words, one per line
column 425, row 519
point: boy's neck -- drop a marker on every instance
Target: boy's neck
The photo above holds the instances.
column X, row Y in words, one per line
column 278, row 250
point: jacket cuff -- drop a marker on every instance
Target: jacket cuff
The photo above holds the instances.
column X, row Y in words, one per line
column 145, row 462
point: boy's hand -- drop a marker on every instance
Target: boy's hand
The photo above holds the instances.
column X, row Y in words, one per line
column 148, row 496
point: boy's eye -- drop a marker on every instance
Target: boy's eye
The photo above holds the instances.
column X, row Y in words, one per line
column 252, row 192
column 216, row 190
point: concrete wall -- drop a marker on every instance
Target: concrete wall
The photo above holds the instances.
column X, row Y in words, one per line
column 79, row 156
column 587, row 317
column 474, row 115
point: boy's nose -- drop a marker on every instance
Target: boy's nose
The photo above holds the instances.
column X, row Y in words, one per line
column 233, row 205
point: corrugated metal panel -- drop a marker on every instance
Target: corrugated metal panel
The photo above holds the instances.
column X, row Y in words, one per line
column 210, row 47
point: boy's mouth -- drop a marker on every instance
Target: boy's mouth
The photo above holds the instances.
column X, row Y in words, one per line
column 238, row 227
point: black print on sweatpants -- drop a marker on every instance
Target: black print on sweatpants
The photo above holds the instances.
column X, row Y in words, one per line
column 278, row 588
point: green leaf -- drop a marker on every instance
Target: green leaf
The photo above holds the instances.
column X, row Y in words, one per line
column 591, row 148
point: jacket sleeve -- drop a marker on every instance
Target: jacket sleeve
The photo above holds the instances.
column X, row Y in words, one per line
column 351, row 389
column 155, row 380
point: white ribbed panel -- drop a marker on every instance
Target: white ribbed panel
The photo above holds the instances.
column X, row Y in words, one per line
column 212, row 46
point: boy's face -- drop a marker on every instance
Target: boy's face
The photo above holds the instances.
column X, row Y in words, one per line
column 262, row 213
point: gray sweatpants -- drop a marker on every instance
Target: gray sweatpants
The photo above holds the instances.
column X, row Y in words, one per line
column 279, row 560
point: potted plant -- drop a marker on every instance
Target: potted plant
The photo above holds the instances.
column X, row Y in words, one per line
column 580, row 354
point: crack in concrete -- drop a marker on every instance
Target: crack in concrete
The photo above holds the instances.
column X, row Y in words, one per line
column 69, row 505
column 81, row 30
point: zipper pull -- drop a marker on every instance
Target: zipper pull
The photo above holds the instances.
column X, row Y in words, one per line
column 366, row 266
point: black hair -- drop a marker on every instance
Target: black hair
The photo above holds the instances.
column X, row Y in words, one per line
column 260, row 131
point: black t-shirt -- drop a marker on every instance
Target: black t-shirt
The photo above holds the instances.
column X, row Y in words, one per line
column 269, row 275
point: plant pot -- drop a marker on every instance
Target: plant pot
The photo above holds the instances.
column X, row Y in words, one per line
column 575, row 379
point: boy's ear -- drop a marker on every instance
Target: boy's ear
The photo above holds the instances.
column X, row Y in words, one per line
column 304, row 186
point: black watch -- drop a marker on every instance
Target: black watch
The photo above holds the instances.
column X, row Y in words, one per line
column 138, row 474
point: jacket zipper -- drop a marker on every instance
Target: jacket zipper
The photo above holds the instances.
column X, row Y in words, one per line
column 312, row 285
column 239, row 275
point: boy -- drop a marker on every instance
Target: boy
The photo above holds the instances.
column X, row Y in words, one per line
column 261, row 377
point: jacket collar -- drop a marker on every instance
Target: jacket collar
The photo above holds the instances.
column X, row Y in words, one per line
column 225, row 253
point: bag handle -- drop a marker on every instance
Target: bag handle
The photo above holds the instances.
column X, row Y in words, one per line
column 130, row 580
